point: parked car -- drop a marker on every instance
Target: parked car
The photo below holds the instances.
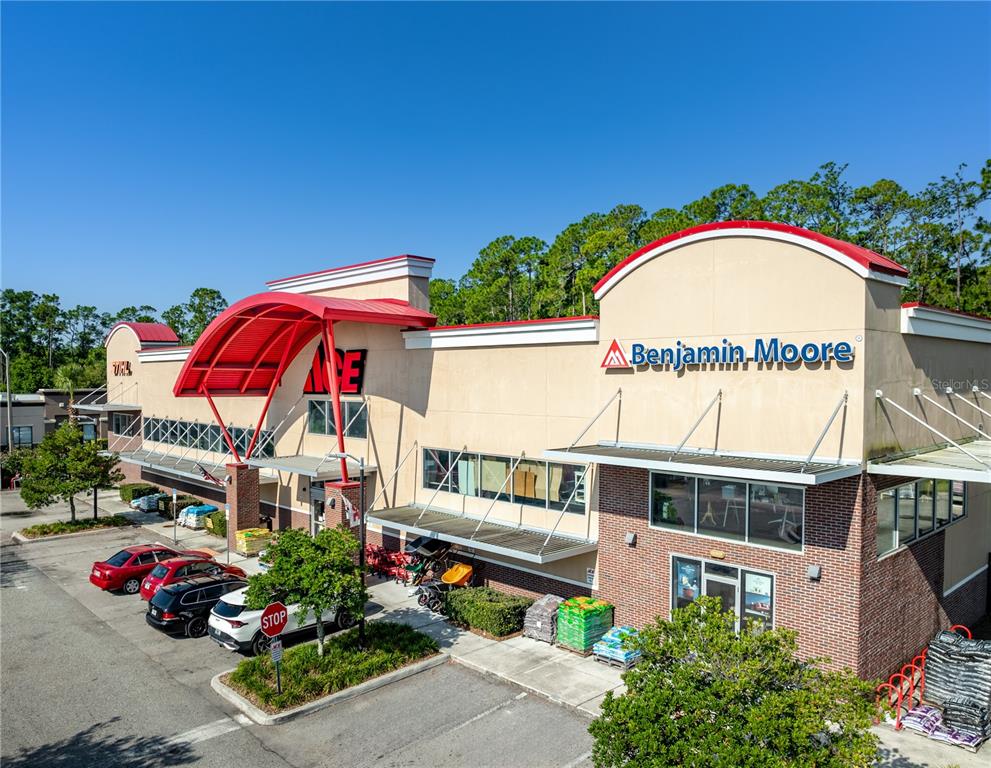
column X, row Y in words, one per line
column 184, row 606
column 179, row 568
column 236, row 628
column 125, row 570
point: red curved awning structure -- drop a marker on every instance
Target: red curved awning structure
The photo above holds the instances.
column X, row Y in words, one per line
column 245, row 351
column 240, row 352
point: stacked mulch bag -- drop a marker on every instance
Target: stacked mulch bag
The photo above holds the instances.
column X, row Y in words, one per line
column 540, row 621
column 958, row 681
column 614, row 649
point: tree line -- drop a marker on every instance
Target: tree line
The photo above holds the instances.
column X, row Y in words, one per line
column 940, row 233
column 55, row 346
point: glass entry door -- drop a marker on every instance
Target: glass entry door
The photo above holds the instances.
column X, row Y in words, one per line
column 727, row 590
column 317, row 500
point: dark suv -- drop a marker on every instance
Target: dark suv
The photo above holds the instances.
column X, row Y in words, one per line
column 185, row 605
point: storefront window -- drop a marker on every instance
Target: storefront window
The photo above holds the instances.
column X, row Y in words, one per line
column 958, row 497
column 22, row 436
column 925, row 499
column 672, row 501
column 776, row 516
column 906, row 513
column 437, row 470
column 494, row 474
column 354, row 415
column 887, row 529
column 686, row 581
column 942, row 502
column 530, row 483
column 722, row 508
column 317, row 417
column 566, row 482
column 758, row 604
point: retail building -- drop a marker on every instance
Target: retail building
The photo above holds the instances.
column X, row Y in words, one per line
column 754, row 415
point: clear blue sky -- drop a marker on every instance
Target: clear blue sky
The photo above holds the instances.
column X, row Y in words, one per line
column 151, row 149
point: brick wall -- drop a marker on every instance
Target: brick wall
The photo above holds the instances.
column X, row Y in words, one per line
column 243, row 496
column 637, row 579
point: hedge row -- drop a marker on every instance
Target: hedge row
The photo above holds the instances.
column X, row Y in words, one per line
column 486, row 609
column 131, row 491
column 166, row 510
column 218, row 523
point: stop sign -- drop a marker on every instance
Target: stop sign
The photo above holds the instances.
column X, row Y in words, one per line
column 274, row 619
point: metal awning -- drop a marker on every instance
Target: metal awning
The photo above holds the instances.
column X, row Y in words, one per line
column 314, row 467
column 943, row 463
column 773, row 469
column 185, row 468
column 106, row 407
column 469, row 532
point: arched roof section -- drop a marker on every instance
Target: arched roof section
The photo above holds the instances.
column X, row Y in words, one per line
column 866, row 263
column 148, row 334
column 248, row 346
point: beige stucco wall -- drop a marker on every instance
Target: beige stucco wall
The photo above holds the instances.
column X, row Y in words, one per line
column 415, row 290
column 967, row 542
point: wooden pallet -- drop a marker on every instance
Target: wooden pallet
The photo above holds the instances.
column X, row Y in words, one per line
column 614, row 662
column 583, row 654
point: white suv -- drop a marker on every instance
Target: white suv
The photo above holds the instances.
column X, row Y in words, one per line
column 238, row 629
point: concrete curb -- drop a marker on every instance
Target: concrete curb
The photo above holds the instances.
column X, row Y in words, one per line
column 16, row 536
column 263, row 718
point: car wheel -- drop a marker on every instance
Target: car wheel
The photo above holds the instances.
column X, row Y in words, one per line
column 261, row 644
column 196, row 627
column 345, row 620
column 132, row 586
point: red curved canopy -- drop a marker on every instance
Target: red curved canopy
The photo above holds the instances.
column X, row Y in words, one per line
column 249, row 345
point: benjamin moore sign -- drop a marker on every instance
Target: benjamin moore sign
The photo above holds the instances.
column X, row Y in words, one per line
column 769, row 351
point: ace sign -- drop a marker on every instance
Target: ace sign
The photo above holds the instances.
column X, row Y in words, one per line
column 274, row 619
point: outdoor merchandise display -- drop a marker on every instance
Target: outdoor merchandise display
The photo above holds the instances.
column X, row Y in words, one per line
column 958, row 679
column 540, row 621
column 614, row 649
column 195, row 516
column 251, row 541
column 148, row 503
column 929, row 721
column 582, row 621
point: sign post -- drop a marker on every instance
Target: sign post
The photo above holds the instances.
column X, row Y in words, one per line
column 175, row 520
column 227, row 526
column 274, row 619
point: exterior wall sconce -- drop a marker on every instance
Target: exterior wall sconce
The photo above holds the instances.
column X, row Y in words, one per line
column 631, row 539
column 814, row 572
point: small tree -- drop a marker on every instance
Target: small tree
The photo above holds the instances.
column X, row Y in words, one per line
column 64, row 464
column 67, row 378
column 705, row 695
column 319, row 573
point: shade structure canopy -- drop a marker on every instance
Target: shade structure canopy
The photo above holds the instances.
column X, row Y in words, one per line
column 968, row 461
column 313, row 467
column 247, row 347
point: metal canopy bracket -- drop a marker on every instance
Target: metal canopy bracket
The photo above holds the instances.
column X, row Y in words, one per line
column 918, row 393
column 822, row 435
column 619, row 394
column 716, row 399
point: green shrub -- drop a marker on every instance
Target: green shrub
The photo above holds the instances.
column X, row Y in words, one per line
column 166, row 510
column 486, row 609
column 307, row 676
column 218, row 523
column 73, row 526
column 131, row 491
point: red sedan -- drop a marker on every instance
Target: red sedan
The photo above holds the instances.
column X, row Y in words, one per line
column 179, row 568
column 125, row 570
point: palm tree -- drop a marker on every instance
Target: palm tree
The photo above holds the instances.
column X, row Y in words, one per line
column 67, row 377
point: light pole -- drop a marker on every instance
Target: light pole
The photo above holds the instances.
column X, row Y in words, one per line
column 361, row 531
column 10, row 397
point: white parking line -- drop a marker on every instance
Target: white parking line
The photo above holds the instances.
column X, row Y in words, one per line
column 204, row 732
column 578, row 760
column 487, row 712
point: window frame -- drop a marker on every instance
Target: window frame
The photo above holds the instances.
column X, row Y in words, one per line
column 742, row 571
column 348, row 411
column 16, row 431
column 917, row 534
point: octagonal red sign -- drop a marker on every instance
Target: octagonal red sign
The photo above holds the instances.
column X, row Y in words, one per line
column 274, row 619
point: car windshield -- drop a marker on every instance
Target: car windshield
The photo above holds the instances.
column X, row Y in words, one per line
column 119, row 559
column 227, row 610
column 159, row 571
column 162, row 598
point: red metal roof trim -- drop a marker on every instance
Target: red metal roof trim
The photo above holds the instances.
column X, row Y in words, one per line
column 352, row 266
column 147, row 332
column 571, row 319
column 860, row 255
column 920, row 305
column 239, row 352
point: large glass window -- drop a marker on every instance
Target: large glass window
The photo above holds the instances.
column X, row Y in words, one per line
column 465, row 475
column 530, row 483
column 566, row 482
column 317, row 417
column 958, row 496
column 123, row 424
column 672, row 501
column 437, row 469
column 494, row 474
column 776, row 516
column 320, row 418
column 906, row 513
column 89, row 431
column 722, row 507
column 747, row 594
column 925, row 500
column 942, row 502
column 22, row 436
column 686, row 581
column 758, row 598
column 887, row 528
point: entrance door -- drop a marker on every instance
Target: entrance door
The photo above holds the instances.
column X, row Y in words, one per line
column 317, row 498
column 726, row 590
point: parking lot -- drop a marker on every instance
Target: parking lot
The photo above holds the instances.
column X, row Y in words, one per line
column 87, row 682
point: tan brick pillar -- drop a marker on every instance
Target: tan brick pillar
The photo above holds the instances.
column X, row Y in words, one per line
column 338, row 491
column 243, row 495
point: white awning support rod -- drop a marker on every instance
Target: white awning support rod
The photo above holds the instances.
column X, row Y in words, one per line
column 716, row 399
column 619, row 394
column 94, row 393
column 963, row 399
column 880, row 396
column 512, row 471
column 918, row 393
column 173, row 425
column 441, row 483
column 564, row 509
column 822, row 435
column 392, row 477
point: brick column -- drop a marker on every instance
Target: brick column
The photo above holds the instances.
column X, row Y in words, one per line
column 338, row 491
column 243, row 495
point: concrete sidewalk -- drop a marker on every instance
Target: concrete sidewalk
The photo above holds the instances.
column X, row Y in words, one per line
column 554, row 673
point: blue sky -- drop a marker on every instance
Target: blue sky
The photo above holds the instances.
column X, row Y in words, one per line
column 151, row 149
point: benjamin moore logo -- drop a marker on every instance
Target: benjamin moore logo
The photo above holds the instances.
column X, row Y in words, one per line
column 615, row 357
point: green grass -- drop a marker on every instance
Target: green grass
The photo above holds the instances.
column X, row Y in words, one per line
column 66, row 526
column 306, row 676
